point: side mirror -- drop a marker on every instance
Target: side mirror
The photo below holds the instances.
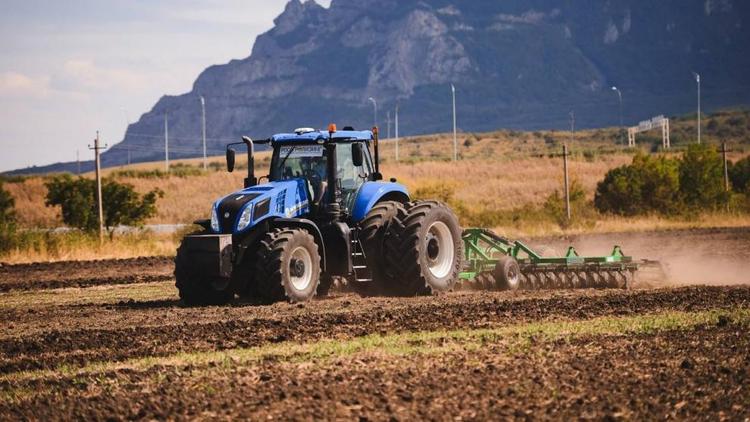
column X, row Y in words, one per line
column 230, row 160
column 357, row 155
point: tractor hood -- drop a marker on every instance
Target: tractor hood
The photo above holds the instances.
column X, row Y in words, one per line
column 242, row 210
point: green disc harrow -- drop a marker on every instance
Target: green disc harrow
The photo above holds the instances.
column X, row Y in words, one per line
column 486, row 254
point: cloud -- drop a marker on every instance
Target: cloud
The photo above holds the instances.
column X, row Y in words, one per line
column 15, row 84
column 82, row 76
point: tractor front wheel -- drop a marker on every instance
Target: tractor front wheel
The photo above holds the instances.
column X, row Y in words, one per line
column 288, row 266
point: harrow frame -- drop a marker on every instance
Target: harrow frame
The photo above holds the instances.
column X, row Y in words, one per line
column 483, row 249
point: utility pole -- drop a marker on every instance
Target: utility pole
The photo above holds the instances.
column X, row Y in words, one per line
column 388, row 114
column 97, row 162
column 203, row 120
column 572, row 125
column 78, row 162
column 455, row 138
column 397, row 132
column 127, row 125
column 166, row 143
column 698, row 81
column 567, row 189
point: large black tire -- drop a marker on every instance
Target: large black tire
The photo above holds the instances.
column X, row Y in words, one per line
column 425, row 248
column 287, row 266
column 372, row 232
column 507, row 274
column 196, row 290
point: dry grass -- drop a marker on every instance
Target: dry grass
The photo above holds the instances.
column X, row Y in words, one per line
column 504, row 172
column 76, row 246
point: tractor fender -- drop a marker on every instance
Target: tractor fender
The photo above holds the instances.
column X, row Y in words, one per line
column 373, row 192
column 302, row 223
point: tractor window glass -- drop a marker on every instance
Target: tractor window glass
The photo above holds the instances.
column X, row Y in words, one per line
column 350, row 177
column 295, row 161
column 302, row 161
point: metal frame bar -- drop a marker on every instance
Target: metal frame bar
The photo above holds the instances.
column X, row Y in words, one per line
column 483, row 249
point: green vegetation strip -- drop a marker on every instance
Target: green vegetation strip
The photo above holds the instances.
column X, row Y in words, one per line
column 517, row 337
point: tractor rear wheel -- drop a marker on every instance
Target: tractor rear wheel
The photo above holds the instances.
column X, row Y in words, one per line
column 196, row 290
column 288, row 266
column 507, row 274
column 372, row 232
column 425, row 249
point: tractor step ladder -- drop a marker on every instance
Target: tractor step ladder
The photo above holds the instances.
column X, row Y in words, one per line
column 362, row 273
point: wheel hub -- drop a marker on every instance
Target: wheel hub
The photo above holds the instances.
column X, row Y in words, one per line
column 433, row 247
column 301, row 268
column 297, row 268
column 439, row 249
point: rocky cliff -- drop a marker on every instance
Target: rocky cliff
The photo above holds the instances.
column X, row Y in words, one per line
column 515, row 63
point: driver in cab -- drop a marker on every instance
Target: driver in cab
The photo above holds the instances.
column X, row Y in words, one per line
column 314, row 170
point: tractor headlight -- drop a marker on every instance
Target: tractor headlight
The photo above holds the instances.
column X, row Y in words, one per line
column 245, row 218
column 215, row 220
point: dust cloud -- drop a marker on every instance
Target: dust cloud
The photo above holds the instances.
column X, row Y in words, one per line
column 687, row 257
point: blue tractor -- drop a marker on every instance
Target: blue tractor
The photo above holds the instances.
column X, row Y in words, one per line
column 323, row 213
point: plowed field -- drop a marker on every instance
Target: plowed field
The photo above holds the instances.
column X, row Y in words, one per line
column 109, row 339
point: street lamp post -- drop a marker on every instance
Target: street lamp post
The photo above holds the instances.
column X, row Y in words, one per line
column 203, row 130
column 698, row 81
column 619, row 96
column 127, row 125
column 375, row 111
column 455, row 138
column 388, row 116
column 396, row 131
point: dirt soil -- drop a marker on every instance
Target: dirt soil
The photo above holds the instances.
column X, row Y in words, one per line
column 67, row 351
column 57, row 275
column 661, row 376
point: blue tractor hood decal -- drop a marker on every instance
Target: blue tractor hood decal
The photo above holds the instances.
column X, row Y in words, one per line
column 242, row 210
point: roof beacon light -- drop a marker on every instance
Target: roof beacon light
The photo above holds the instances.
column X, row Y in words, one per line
column 332, row 128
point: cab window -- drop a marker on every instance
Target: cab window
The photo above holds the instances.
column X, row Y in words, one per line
column 350, row 176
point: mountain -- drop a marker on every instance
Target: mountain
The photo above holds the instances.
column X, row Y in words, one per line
column 522, row 64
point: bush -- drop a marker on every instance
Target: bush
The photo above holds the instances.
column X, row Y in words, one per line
column 702, row 177
column 647, row 185
column 736, row 121
column 739, row 175
column 77, row 198
column 581, row 211
column 7, row 219
column 181, row 170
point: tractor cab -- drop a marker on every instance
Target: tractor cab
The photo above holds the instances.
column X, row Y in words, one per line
column 305, row 155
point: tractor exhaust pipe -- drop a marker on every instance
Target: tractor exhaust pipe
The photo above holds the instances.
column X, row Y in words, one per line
column 251, row 180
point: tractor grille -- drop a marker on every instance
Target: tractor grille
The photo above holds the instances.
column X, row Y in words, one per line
column 230, row 207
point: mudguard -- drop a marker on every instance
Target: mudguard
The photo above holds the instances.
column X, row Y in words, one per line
column 312, row 228
column 373, row 192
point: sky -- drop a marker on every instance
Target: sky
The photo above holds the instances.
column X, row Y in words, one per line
column 70, row 68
